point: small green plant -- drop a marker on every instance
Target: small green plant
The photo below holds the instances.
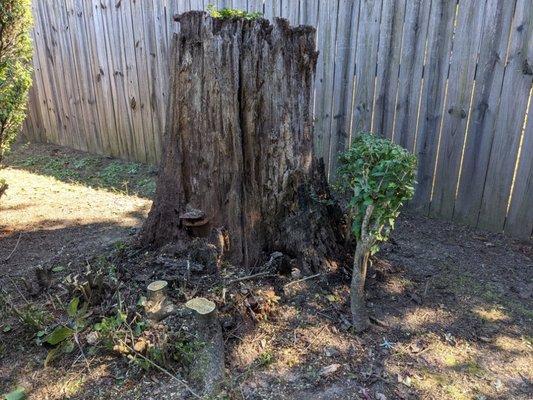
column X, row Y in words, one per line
column 64, row 336
column 185, row 349
column 265, row 358
column 380, row 177
column 15, row 68
column 110, row 328
column 33, row 317
column 231, row 13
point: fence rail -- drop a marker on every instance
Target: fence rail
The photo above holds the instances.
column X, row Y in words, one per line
column 449, row 80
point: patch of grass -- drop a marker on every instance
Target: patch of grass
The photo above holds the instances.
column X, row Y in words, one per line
column 473, row 368
column 491, row 314
column 465, row 284
column 433, row 382
column 90, row 170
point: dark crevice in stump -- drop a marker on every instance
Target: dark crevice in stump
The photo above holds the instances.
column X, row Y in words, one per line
column 239, row 143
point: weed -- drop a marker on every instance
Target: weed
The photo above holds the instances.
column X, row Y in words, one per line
column 185, row 349
column 32, row 316
column 231, row 13
column 265, row 359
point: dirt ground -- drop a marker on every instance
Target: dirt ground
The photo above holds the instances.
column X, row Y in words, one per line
column 451, row 306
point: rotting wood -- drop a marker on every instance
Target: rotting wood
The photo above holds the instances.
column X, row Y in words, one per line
column 239, row 143
column 207, row 369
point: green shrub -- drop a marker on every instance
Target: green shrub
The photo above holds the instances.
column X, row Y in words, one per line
column 15, row 68
column 230, row 13
column 380, row 177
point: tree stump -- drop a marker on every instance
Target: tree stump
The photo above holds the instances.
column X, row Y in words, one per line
column 238, row 149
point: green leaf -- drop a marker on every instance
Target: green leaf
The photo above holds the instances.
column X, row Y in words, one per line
column 17, row 394
column 59, row 334
column 72, row 308
column 58, row 268
column 51, row 356
column 7, row 328
column 67, row 347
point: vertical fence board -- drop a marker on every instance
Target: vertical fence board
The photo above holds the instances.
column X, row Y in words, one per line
column 106, row 125
column 308, row 14
column 326, row 32
column 509, row 122
column 114, row 35
column 441, row 23
column 390, row 45
column 456, row 111
column 410, row 80
column 254, row 6
column 290, row 10
column 45, row 60
column 144, row 76
column 489, row 79
column 37, row 103
column 272, row 9
column 343, row 81
column 520, row 217
column 365, row 64
column 155, row 16
column 107, row 78
column 96, row 123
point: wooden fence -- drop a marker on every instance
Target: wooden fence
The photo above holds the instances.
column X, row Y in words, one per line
column 449, row 80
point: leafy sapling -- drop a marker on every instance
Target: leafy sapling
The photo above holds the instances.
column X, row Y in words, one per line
column 380, row 177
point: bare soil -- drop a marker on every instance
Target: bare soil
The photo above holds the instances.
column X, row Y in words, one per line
column 451, row 306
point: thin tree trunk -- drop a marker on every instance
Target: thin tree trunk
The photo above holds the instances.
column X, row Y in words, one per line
column 360, row 263
column 360, row 320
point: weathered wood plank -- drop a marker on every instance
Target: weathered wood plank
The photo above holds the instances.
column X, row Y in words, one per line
column 40, row 101
column 308, row 14
column 326, row 33
column 410, row 80
column 254, row 6
column 489, row 80
column 343, row 80
column 113, row 35
column 49, row 81
column 365, row 65
column 442, row 17
column 457, row 109
column 81, row 61
column 272, row 9
column 153, row 17
column 390, row 46
column 145, row 80
column 105, row 126
column 290, row 10
column 519, row 220
column 60, row 67
column 509, row 122
column 104, row 78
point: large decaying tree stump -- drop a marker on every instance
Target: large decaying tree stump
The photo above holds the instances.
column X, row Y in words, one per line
column 239, row 143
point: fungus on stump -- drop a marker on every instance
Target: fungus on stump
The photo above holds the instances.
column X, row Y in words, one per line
column 238, row 150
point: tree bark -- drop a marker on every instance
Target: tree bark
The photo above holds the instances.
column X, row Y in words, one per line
column 360, row 319
column 239, row 143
